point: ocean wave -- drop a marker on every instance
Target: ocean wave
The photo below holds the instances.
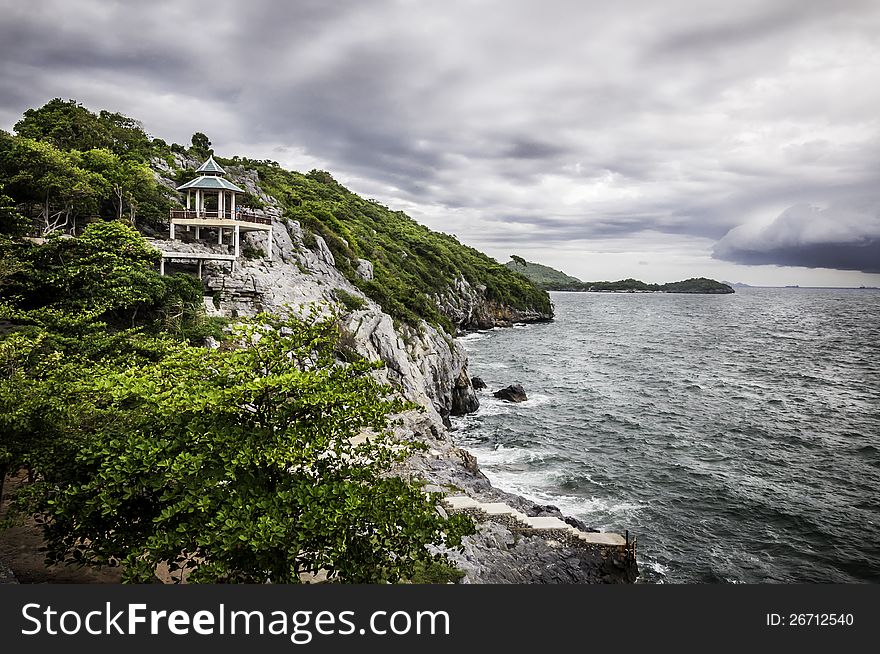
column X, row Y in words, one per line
column 501, row 455
column 472, row 337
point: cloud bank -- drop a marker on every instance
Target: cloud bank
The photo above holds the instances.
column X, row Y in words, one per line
column 841, row 237
column 631, row 128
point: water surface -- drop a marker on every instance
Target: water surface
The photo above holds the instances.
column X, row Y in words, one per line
column 737, row 435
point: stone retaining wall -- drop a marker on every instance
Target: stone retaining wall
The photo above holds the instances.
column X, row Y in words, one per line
column 608, row 545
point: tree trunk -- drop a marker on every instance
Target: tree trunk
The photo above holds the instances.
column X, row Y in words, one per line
column 132, row 209
column 3, row 470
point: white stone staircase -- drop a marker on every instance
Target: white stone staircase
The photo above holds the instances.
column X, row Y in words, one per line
column 549, row 527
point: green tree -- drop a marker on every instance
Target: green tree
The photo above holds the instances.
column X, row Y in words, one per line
column 12, row 223
column 519, row 260
column 107, row 274
column 68, row 125
column 33, row 401
column 129, row 181
column 201, row 146
column 126, row 136
column 245, row 465
column 53, row 182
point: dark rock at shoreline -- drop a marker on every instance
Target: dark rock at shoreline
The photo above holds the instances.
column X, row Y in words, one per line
column 464, row 399
column 513, row 393
column 579, row 524
column 478, row 383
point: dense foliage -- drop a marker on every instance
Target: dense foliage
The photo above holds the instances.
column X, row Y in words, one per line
column 239, row 465
column 66, row 164
column 235, row 464
column 414, row 267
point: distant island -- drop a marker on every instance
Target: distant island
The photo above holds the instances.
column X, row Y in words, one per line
column 551, row 279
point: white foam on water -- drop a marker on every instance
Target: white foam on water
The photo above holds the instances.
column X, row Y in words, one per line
column 469, row 339
column 595, row 511
column 536, row 399
column 501, row 455
column 490, row 406
column 657, row 567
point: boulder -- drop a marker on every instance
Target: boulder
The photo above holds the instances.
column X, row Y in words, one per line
column 365, row 270
column 323, row 251
column 513, row 393
column 478, row 383
column 464, row 399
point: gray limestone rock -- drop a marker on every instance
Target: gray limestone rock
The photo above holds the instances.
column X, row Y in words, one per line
column 365, row 270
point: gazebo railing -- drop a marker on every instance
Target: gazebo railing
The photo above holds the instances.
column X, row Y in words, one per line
column 245, row 216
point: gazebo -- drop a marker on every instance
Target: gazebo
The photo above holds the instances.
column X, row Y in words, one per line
column 211, row 202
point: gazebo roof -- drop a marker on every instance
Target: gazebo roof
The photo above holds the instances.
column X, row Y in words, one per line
column 211, row 182
column 211, row 166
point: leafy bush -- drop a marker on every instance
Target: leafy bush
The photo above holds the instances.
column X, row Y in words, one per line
column 349, row 300
column 238, row 465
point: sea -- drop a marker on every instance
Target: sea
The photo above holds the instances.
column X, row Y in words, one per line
column 737, row 437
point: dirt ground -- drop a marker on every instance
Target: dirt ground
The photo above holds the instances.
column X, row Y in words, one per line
column 22, row 548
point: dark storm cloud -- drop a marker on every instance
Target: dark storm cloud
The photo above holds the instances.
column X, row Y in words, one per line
column 528, row 149
column 842, row 236
column 550, row 122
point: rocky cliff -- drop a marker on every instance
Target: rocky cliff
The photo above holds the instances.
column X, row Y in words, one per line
column 468, row 308
column 423, row 361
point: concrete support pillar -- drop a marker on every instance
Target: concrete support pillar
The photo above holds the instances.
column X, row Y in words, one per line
column 198, row 229
column 237, row 232
column 200, row 268
column 269, row 243
column 220, row 236
column 162, row 266
column 172, row 230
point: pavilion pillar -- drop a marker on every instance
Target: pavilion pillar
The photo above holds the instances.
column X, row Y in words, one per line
column 237, row 233
column 188, row 193
column 221, row 203
column 232, row 207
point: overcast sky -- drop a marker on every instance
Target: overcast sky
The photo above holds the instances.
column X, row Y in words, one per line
column 738, row 140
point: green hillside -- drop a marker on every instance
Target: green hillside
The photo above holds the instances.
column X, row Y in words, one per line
column 412, row 264
column 542, row 276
